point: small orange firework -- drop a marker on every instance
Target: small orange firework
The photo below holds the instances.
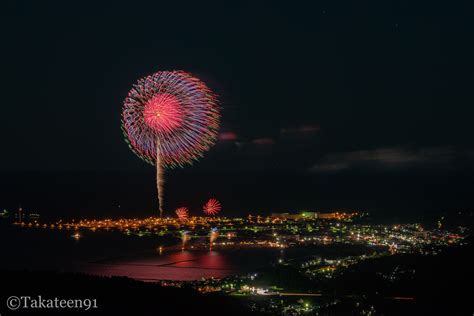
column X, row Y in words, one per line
column 182, row 213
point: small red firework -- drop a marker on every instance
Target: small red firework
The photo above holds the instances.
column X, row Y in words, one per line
column 182, row 213
column 212, row 207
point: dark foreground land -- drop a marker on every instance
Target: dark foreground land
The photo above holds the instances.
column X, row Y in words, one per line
column 412, row 284
column 115, row 295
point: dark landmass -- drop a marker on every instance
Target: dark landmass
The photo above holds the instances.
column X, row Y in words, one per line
column 115, row 295
column 410, row 284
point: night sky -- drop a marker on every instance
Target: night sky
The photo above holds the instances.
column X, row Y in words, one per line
column 326, row 105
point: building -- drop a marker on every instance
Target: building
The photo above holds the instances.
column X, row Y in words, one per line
column 20, row 215
column 4, row 214
column 298, row 216
column 312, row 215
column 34, row 216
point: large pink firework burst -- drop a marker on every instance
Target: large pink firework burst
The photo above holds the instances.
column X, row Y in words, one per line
column 171, row 113
column 170, row 119
column 212, row 207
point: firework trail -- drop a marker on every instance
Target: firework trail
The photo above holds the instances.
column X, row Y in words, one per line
column 160, row 178
column 170, row 119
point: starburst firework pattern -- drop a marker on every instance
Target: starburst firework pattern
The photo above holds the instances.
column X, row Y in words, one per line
column 171, row 113
column 212, row 207
column 182, row 213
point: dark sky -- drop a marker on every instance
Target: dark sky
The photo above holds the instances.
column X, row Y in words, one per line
column 318, row 89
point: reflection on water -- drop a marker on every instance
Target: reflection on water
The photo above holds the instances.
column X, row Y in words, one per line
column 111, row 254
column 184, row 265
column 176, row 265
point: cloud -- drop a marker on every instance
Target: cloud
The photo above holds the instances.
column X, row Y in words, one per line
column 255, row 146
column 300, row 129
column 263, row 141
column 388, row 158
column 228, row 136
